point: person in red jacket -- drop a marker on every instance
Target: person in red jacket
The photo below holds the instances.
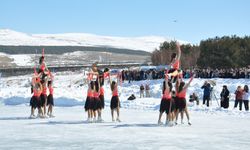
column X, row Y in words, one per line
column 181, row 90
column 238, row 97
column 50, row 99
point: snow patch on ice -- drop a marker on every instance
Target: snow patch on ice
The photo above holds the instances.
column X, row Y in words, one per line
column 16, row 100
column 67, row 102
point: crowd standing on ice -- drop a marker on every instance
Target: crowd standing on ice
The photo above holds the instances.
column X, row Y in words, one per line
column 174, row 89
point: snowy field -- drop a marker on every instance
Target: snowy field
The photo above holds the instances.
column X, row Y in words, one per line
column 212, row 128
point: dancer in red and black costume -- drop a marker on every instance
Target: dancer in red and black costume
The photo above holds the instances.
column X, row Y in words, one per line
column 89, row 103
column 166, row 102
column 175, row 64
column 50, row 100
column 44, row 98
column 97, row 102
column 115, row 101
column 181, row 104
column 35, row 101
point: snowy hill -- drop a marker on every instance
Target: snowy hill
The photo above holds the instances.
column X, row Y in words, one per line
column 14, row 38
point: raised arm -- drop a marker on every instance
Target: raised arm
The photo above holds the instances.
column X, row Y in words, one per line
column 178, row 50
column 110, row 80
column 187, row 85
column 166, row 84
column 118, row 78
column 177, row 85
column 33, row 81
column 40, row 87
column 98, row 80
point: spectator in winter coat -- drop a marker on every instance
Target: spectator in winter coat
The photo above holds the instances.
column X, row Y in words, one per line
column 224, row 97
column 194, row 98
column 141, row 91
column 245, row 97
column 238, row 97
column 147, row 90
column 206, row 93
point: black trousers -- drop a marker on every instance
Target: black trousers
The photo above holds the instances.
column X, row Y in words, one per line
column 224, row 103
column 246, row 104
column 238, row 101
column 206, row 98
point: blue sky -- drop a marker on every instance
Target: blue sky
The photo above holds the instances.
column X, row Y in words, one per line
column 195, row 19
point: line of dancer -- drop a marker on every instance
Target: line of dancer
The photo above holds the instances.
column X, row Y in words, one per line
column 95, row 95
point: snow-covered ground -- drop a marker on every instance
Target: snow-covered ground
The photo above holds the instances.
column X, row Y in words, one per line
column 212, row 128
column 148, row 43
column 138, row 130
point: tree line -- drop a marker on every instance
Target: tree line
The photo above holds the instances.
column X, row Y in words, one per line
column 162, row 56
column 218, row 52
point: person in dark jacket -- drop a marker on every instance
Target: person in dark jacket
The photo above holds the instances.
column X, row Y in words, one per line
column 194, row 98
column 206, row 93
column 224, row 97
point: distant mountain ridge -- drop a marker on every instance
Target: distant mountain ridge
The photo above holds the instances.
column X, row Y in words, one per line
column 148, row 43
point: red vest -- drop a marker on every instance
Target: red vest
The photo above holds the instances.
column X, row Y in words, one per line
column 90, row 93
column 45, row 91
column 182, row 94
column 176, row 64
column 96, row 94
column 36, row 93
column 101, row 91
column 51, row 91
column 115, row 92
column 167, row 95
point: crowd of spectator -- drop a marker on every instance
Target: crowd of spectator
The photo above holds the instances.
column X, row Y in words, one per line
column 235, row 73
column 137, row 75
column 151, row 74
